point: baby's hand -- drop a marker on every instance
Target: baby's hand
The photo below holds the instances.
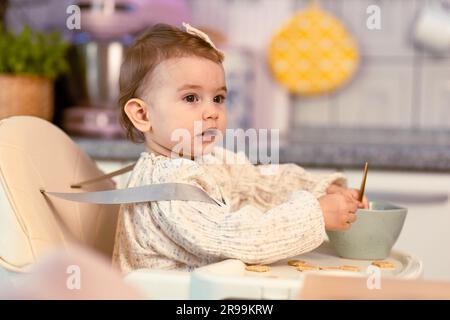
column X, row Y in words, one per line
column 338, row 211
column 349, row 193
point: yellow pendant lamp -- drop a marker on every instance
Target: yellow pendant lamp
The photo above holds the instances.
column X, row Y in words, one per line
column 313, row 53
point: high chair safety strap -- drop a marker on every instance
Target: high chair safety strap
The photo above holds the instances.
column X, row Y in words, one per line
column 153, row 192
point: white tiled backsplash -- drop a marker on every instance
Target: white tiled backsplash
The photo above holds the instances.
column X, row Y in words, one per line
column 396, row 86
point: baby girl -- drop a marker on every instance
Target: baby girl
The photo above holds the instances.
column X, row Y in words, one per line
column 171, row 79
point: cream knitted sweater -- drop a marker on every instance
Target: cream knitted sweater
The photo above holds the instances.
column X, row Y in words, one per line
column 269, row 213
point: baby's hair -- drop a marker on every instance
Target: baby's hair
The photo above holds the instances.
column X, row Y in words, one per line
column 159, row 43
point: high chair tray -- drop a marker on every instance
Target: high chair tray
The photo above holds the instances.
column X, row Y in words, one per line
column 229, row 279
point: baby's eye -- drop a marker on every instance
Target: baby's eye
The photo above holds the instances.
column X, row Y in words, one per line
column 191, row 98
column 219, row 99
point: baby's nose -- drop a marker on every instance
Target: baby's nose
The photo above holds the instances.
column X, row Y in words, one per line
column 210, row 111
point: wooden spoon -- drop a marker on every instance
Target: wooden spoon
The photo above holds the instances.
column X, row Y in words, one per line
column 363, row 182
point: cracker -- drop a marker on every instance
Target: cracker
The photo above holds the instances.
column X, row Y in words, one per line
column 350, row 268
column 296, row 263
column 257, row 268
column 383, row 264
column 330, row 268
column 306, row 267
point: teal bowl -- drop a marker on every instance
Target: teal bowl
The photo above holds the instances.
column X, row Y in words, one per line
column 372, row 235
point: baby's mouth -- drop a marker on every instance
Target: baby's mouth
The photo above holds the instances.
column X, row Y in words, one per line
column 209, row 133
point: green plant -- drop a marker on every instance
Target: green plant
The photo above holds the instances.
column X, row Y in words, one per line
column 33, row 53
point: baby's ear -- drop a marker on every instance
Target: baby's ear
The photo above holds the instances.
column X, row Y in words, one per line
column 138, row 113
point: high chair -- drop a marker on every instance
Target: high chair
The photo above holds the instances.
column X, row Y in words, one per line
column 36, row 158
column 36, row 155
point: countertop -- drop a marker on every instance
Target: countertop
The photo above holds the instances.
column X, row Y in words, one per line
column 415, row 150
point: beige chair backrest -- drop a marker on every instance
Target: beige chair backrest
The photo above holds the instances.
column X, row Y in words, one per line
column 34, row 155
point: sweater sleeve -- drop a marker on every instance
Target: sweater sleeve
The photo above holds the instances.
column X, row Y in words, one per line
column 249, row 234
column 269, row 185
column 295, row 177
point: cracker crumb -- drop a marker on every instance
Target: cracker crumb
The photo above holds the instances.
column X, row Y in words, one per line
column 257, row 268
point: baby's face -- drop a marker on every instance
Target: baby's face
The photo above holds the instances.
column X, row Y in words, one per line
column 184, row 92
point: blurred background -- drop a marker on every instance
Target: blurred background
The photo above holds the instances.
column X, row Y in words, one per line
column 398, row 87
column 345, row 82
